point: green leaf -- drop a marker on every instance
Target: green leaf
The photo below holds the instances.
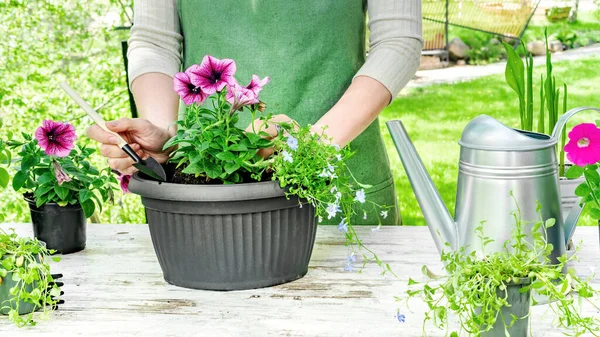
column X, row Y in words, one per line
column 238, row 147
column 231, row 167
column 4, row 177
column 212, row 170
column 412, row 282
column 88, row 208
column 595, row 213
column 574, row 172
column 515, row 72
column 84, row 195
column 19, row 179
column 61, row 191
column 582, row 190
column 45, row 178
column 226, row 156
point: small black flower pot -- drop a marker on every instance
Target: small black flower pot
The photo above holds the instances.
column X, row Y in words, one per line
column 63, row 228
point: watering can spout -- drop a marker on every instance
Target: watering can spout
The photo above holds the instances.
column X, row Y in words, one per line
column 441, row 225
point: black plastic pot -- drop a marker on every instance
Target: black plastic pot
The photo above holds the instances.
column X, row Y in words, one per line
column 227, row 237
column 63, row 228
column 520, row 304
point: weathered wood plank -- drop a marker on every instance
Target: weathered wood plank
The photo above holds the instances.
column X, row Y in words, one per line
column 115, row 288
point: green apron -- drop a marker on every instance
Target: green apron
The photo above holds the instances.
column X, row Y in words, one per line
column 311, row 49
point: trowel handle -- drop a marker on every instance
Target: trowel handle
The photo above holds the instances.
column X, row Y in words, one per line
column 91, row 112
column 562, row 121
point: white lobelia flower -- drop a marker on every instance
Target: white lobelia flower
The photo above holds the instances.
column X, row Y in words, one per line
column 287, row 156
column 331, row 167
column 343, row 226
column 324, row 174
column 384, row 214
column 338, row 196
column 339, row 157
column 333, row 189
column 332, row 210
column 360, row 196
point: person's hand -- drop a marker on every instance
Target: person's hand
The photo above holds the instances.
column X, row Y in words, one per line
column 144, row 137
column 270, row 127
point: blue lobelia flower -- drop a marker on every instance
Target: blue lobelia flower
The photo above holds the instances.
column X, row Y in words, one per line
column 400, row 317
column 360, row 196
column 343, row 226
column 292, row 142
column 351, row 258
column 332, row 210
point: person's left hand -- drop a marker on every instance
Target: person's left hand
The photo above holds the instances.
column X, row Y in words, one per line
column 269, row 127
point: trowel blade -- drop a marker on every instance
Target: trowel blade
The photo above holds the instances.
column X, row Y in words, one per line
column 151, row 168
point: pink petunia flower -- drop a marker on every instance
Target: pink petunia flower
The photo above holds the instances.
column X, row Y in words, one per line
column 239, row 96
column 256, row 84
column 188, row 92
column 55, row 138
column 59, row 173
column 124, row 182
column 212, row 74
column 584, row 144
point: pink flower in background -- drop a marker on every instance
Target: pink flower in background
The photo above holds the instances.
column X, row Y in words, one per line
column 124, row 182
column 256, row 84
column 239, row 96
column 55, row 138
column 584, row 144
column 59, row 173
column 212, row 74
column 188, row 92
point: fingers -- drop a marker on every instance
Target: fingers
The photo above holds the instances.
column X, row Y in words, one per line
column 96, row 133
column 129, row 125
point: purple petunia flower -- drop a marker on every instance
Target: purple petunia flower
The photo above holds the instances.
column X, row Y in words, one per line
column 59, row 173
column 55, row 138
column 188, row 91
column 256, row 84
column 124, row 182
column 212, row 74
column 239, row 96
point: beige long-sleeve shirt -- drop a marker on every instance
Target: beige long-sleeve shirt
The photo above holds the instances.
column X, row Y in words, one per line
column 394, row 46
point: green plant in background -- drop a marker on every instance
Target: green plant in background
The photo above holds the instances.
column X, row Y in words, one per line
column 519, row 76
column 51, row 169
column 476, row 285
column 484, row 50
column 568, row 36
column 25, row 273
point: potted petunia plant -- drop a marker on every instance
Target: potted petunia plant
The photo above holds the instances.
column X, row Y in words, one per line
column 490, row 295
column 583, row 150
column 60, row 184
column 240, row 207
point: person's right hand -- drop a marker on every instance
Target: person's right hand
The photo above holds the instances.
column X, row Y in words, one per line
column 144, row 137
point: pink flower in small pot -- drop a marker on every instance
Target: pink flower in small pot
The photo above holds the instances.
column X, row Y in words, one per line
column 56, row 139
column 212, row 74
column 256, row 84
column 584, row 144
column 239, row 96
column 59, row 173
column 124, row 182
column 188, row 92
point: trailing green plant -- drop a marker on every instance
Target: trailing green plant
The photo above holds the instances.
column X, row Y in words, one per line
column 211, row 148
column 476, row 281
column 25, row 262
column 52, row 169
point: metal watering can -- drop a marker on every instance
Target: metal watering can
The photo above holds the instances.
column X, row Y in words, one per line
column 494, row 160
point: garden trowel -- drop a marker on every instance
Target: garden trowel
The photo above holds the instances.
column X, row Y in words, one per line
column 148, row 166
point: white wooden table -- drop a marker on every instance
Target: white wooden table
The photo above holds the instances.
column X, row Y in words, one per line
column 115, row 288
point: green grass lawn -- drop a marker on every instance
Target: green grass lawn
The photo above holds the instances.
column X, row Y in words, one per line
column 436, row 115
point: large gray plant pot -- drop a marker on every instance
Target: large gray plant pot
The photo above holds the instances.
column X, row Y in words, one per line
column 227, row 237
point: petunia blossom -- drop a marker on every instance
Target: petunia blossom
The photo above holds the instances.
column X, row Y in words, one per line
column 584, row 144
column 124, row 182
column 55, row 138
column 239, row 96
column 256, row 84
column 188, row 91
column 59, row 173
column 212, row 74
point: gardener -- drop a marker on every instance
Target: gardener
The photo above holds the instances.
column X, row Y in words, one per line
column 314, row 53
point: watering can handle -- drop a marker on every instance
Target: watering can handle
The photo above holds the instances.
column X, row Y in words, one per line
column 562, row 121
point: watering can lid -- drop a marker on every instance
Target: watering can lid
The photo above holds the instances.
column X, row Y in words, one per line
column 486, row 133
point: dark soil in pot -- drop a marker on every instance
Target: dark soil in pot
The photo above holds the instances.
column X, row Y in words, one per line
column 63, row 228
column 175, row 176
column 227, row 237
